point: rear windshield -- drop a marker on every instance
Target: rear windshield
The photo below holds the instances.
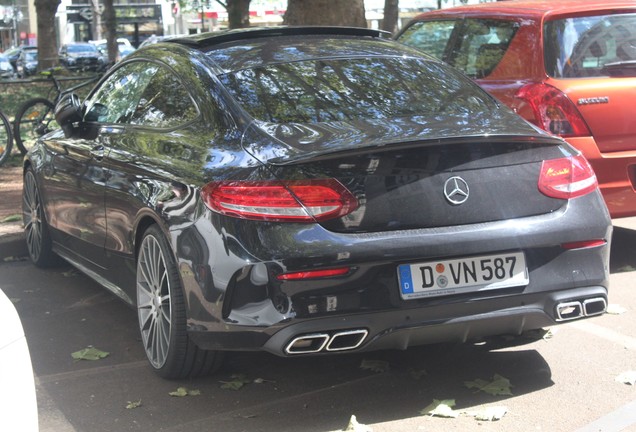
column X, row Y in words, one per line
column 589, row 46
column 475, row 46
column 354, row 89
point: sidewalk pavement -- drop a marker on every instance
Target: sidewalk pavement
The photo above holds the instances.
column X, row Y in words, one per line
column 12, row 242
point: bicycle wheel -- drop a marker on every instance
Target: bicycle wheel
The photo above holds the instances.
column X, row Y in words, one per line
column 35, row 118
column 6, row 138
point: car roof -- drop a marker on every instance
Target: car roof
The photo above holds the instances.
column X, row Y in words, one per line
column 207, row 40
column 534, row 8
column 247, row 48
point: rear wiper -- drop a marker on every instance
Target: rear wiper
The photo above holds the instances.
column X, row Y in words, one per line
column 620, row 68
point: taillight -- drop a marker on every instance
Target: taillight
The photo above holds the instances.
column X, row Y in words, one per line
column 553, row 110
column 567, row 178
column 291, row 201
column 314, row 274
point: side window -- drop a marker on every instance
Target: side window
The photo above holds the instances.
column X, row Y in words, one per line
column 164, row 103
column 116, row 99
column 429, row 36
column 482, row 45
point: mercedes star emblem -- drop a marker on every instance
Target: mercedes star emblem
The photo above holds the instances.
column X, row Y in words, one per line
column 456, row 190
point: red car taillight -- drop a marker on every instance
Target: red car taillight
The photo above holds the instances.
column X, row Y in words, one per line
column 314, row 274
column 553, row 110
column 567, row 178
column 291, row 201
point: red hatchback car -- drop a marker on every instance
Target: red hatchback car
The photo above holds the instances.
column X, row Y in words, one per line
column 567, row 66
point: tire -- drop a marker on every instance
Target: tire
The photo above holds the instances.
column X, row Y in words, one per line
column 38, row 237
column 35, row 118
column 6, row 139
column 162, row 315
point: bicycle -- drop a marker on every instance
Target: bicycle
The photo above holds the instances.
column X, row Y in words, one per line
column 6, row 138
column 36, row 116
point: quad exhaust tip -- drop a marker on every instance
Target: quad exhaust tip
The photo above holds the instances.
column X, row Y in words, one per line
column 338, row 341
column 580, row 308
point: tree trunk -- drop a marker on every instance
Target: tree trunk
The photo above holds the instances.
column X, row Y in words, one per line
column 326, row 12
column 110, row 30
column 389, row 23
column 238, row 13
column 47, row 39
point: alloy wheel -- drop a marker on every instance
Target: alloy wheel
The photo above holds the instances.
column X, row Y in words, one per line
column 153, row 301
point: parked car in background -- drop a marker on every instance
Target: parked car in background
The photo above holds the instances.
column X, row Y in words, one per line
column 14, row 53
column 6, row 69
column 568, row 66
column 124, row 50
column 27, row 63
column 81, row 56
column 311, row 191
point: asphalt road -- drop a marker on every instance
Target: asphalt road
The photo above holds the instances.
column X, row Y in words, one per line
column 562, row 383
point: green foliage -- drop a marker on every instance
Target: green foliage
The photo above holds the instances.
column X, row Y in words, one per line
column 13, row 93
column 90, row 353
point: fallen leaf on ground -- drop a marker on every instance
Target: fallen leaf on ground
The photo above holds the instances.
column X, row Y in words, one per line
column 69, row 273
column 14, row 259
column 238, row 381
column 628, row 377
column 377, row 366
column 261, row 381
column 498, row 386
column 614, row 309
column 183, row 392
column 180, row 392
column 492, row 413
column 357, row 427
column 441, row 408
column 90, row 353
column 133, row 405
column 12, row 218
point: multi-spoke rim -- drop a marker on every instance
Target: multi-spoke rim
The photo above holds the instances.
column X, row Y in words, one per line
column 153, row 301
column 31, row 216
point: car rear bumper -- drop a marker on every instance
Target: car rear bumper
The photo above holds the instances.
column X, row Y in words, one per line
column 400, row 329
column 240, row 305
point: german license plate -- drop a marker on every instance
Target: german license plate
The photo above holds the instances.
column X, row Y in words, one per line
column 447, row 277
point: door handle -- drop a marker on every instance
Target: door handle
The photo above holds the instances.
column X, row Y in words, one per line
column 98, row 152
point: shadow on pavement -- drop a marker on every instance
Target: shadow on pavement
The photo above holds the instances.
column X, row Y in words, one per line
column 63, row 311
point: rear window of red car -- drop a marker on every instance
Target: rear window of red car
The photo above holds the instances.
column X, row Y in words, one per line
column 591, row 46
column 475, row 46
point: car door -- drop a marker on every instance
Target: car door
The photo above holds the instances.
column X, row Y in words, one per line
column 79, row 174
column 144, row 165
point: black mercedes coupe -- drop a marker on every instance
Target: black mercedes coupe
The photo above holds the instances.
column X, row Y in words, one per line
column 311, row 191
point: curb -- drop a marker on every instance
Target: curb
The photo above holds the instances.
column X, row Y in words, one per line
column 13, row 244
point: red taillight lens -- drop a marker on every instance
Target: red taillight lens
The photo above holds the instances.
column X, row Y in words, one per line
column 567, row 178
column 584, row 244
column 291, row 201
column 553, row 110
column 314, row 274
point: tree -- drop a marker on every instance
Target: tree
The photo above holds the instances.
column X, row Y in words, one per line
column 326, row 12
column 47, row 40
column 389, row 23
column 109, row 19
column 238, row 12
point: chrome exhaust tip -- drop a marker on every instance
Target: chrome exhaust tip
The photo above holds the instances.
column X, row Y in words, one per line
column 347, row 340
column 569, row 311
column 594, row 306
column 307, row 344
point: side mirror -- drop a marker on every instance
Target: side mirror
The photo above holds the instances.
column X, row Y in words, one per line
column 68, row 112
